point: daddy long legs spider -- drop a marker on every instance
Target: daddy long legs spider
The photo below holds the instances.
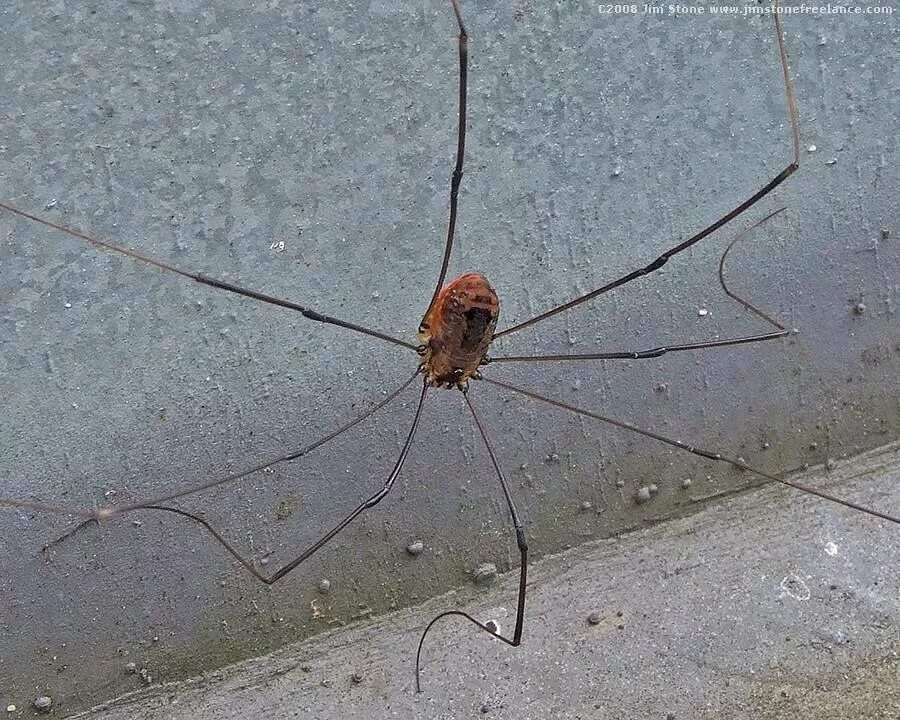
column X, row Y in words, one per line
column 120, row 274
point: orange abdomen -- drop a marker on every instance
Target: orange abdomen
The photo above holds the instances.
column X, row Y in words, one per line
column 457, row 330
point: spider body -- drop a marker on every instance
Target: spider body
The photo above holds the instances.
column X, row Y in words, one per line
column 457, row 330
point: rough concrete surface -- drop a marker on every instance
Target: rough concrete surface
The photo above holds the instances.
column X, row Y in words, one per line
column 711, row 617
column 304, row 150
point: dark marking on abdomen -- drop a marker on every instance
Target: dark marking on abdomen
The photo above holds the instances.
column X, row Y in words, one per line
column 477, row 322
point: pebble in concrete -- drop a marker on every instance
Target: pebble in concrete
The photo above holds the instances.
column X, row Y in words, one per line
column 415, row 548
column 485, row 573
column 44, row 703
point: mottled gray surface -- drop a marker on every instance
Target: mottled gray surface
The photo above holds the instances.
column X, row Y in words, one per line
column 209, row 135
column 711, row 617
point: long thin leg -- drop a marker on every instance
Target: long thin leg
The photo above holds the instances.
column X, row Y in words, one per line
column 516, row 638
column 780, row 330
column 637, row 354
column 95, row 514
column 456, row 178
column 321, row 542
column 203, row 279
column 734, row 462
column 693, row 240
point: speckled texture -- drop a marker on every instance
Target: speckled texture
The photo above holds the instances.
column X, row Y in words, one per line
column 209, row 134
column 711, row 617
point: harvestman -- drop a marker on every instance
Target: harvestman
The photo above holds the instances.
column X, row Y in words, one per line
column 453, row 341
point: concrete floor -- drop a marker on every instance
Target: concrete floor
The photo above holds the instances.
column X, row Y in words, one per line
column 762, row 606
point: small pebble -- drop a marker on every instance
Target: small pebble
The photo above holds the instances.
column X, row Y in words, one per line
column 686, row 483
column 830, row 464
column 620, row 483
column 10, row 708
column 131, row 668
column 484, row 573
column 553, row 457
column 586, row 505
column 356, row 678
column 324, row 586
column 43, row 703
column 493, row 626
column 653, row 488
column 831, row 161
column 766, row 446
column 703, row 312
column 643, row 495
column 885, row 233
column 859, row 308
column 594, row 618
column 415, row 548
column 485, row 708
column 811, row 148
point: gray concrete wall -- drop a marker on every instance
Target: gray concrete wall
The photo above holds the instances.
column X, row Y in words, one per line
column 209, row 135
column 800, row 629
